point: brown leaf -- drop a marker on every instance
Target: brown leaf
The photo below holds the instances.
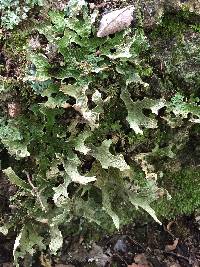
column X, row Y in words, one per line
column 138, row 265
column 14, row 109
column 96, row 254
column 173, row 246
column 141, row 259
column 115, row 21
column 7, row 264
column 175, row 265
column 45, row 260
column 64, row 265
column 169, row 225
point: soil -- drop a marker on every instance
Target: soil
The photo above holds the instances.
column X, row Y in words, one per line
column 174, row 244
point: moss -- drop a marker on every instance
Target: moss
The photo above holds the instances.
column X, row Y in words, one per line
column 14, row 51
column 184, row 188
column 175, row 54
column 171, row 26
column 16, row 42
column 196, row 27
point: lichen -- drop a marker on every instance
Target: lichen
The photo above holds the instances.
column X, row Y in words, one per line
column 106, row 125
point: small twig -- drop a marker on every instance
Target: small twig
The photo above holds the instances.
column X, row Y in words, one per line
column 121, row 258
column 137, row 243
column 167, row 228
column 35, row 191
column 177, row 255
column 30, row 182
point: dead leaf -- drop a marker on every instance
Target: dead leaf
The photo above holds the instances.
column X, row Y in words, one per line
column 115, row 21
column 173, row 246
column 196, row 263
column 138, row 265
column 175, row 265
column 14, row 109
column 45, row 260
column 169, row 225
column 97, row 255
column 141, row 259
column 81, row 239
column 7, row 264
column 64, row 265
